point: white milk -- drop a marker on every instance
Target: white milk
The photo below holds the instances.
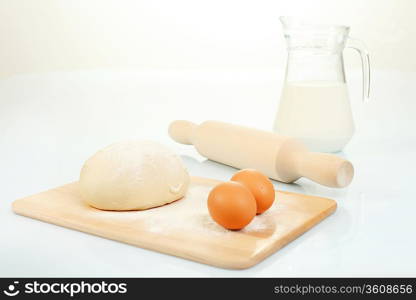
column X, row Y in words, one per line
column 316, row 112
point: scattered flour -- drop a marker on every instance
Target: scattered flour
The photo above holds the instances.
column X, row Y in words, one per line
column 188, row 214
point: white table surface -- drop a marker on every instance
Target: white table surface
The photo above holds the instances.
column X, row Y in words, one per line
column 50, row 123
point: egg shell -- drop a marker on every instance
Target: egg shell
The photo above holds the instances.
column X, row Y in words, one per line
column 259, row 185
column 231, row 205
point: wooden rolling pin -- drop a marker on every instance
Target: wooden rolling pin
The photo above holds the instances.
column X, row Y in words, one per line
column 281, row 158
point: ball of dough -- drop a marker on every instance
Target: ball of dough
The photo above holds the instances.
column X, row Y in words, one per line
column 133, row 175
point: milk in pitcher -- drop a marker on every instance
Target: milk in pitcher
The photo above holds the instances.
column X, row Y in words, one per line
column 314, row 104
column 316, row 112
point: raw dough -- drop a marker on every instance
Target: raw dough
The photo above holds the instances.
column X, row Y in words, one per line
column 133, row 175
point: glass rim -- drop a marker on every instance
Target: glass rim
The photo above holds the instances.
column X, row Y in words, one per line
column 291, row 22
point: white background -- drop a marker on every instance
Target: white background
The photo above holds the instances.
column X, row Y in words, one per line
column 78, row 75
column 67, row 35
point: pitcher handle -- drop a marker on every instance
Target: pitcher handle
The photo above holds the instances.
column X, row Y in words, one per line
column 359, row 46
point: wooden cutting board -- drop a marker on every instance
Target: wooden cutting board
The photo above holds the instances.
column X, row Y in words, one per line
column 184, row 228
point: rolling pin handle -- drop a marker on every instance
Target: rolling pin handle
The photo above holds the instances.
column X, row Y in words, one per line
column 326, row 169
column 182, row 131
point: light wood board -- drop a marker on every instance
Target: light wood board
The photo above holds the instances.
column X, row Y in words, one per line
column 184, row 227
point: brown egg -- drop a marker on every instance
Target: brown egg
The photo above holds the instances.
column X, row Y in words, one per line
column 259, row 185
column 231, row 205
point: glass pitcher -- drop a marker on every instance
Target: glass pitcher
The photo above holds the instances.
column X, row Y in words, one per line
column 314, row 105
